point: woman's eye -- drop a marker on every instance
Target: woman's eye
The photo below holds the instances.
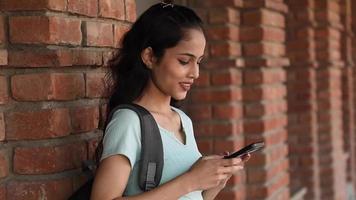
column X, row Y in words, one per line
column 183, row 62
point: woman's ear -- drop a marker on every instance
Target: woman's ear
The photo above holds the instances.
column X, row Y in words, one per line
column 147, row 57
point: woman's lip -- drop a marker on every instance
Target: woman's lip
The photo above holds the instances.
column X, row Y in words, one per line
column 185, row 86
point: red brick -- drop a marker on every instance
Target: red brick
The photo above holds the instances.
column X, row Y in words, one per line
column 220, row 63
column 205, row 146
column 119, row 32
column 112, row 9
column 44, row 29
column 3, row 90
column 2, row 30
column 264, row 93
column 99, row 34
column 59, row 33
column 130, row 10
column 87, row 57
column 231, row 194
column 221, row 3
column 4, row 165
column 83, row 7
column 40, row 58
column 324, row 33
column 3, row 57
column 256, row 192
column 2, row 127
column 264, row 49
column 54, row 58
column 223, row 33
column 2, row 191
column 250, row 34
column 227, row 128
column 84, row 119
column 220, row 146
column 227, row 112
column 20, row 5
column 107, row 56
column 199, row 112
column 92, row 145
column 264, row 76
column 270, row 4
column 203, row 80
column 210, row 128
column 95, row 85
column 46, row 86
column 266, row 62
column 261, row 109
column 263, row 125
column 49, row 159
column 264, row 17
column 224, row 15
column 226, row 77
column 60, row 5
column 47, row 189
column 225, row 49
column 29, row 29
column 103, row 114
column 215, row 96
column 37, row 124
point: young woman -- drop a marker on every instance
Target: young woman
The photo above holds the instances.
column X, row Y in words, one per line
column 155, row 67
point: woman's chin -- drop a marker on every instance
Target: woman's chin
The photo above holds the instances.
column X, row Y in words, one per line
column 180, row 97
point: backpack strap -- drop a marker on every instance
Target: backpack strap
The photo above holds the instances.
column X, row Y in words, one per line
column 151, row 164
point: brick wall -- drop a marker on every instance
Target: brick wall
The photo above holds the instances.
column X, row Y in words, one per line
column 51, row 90
column 241, row 95
column 280, row 71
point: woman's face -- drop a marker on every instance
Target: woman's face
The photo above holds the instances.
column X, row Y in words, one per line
column 176, row 71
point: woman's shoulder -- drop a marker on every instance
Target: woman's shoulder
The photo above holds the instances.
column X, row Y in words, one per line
column 124, row 117
column 125, row 113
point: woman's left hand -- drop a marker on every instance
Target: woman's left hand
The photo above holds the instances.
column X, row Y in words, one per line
column 244, row 159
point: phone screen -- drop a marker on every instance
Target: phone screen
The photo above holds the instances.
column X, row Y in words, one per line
column 247, row 149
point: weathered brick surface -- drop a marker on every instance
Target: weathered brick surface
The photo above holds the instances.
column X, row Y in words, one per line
column 112, row 9
column 2, row 127
column 83, row 7
column 52, row 90
column 84, row 119
column 277, row 71
column 2, row 30
column 46, row 86
column 3, row 57
column 37, row 124
column 49, row 159
column 95, row 85
column 47, row 189
column 43, row 29
column 4, row 96
column 33, row 5
column 4, row 165
column 2, row 191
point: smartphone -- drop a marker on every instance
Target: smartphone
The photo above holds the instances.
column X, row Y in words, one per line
column 247, row 149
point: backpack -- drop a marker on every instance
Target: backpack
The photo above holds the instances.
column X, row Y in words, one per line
column 151, row 164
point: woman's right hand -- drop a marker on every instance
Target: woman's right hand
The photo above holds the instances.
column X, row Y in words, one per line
column 209, row 171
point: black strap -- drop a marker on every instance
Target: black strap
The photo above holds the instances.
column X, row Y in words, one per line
column 151, row 164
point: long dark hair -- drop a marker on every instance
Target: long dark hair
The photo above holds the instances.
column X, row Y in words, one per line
column 160, row 27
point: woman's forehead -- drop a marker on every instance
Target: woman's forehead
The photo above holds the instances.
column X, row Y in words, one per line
column 193, row 43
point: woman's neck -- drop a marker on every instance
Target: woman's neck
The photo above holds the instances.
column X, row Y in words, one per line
column 154, row 100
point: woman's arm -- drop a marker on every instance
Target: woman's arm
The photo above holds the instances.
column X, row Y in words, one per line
column 112, row 176
column 206, row 173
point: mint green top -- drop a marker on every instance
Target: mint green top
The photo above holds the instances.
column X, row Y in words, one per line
column 123, row 136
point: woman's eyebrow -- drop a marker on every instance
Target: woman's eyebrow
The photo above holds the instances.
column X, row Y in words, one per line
column 189, row 54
